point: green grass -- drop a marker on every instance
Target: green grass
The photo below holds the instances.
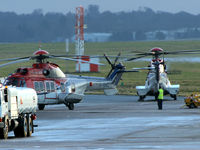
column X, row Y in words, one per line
column 189, row 78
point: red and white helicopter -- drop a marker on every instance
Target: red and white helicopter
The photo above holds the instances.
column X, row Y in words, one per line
column 157, row 75
column 53, row 86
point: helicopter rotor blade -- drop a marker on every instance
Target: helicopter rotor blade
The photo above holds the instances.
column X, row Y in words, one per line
column 77, row 60
column 166, row 52
column 134, row 58
column 144, row 68
column 90, row 56
column 13, row 59
column 108, row 60
column 184, row 51
column 14, row 62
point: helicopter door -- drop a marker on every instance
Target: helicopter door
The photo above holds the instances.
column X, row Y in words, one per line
column 51, row 90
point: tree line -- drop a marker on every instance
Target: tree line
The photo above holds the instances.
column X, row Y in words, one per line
column 49, row 27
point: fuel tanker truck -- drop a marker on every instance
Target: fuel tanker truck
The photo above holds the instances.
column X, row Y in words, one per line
column 17, row 111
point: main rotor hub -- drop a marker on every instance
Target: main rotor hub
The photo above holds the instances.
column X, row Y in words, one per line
column 156, row 49
column 41, row 52
column 40, row 55
column 156, row 52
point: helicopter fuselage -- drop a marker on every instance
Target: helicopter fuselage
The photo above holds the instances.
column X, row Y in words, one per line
column 155, row 79
column 55, row 87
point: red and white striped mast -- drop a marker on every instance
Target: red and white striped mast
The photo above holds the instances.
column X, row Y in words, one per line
column 79, row 47
column 79, row 30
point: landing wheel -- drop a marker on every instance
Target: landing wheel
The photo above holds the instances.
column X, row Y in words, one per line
column 141, row 98
column 4, row 131
column 41, row 106
column 192, row 105
column 70, row 106
column 174, row 96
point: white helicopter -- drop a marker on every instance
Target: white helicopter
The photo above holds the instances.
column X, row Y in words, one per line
column 54, row 87
column 157, row 75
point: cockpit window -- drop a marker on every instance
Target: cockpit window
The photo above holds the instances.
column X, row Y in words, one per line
column 11, row 81
column 18, row 82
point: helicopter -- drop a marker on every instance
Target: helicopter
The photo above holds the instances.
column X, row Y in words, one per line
column 55, row 87
column 157, row 74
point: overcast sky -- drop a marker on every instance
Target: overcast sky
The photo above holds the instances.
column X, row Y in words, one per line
column 64, row 6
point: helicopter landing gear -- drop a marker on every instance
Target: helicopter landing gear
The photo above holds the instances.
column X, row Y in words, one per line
column 70, row 106
column 41, row 106
column 174, row 97
column 141, row 98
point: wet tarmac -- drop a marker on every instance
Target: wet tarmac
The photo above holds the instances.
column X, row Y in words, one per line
column 113, row 122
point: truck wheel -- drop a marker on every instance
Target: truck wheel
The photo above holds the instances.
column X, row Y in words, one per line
column 70, row 106
column 17, row 132
column 41, row 106
column 4, row 131
column 24, row 127
column 30, row 125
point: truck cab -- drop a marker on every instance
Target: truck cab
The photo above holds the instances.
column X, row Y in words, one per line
column 3, row 107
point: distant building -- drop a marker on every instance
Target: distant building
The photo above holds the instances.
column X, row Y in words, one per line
column 95, row 37
column 182, row 33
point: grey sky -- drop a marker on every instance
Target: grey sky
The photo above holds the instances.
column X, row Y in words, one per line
column 27, row 6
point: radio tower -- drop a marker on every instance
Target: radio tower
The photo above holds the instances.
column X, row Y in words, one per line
column 79, row 31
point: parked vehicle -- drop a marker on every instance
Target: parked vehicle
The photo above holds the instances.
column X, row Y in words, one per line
column 17, row 111
column 193, row 101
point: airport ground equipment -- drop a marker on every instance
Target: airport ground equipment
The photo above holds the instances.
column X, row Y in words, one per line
column 193, row 101
column 17, row 111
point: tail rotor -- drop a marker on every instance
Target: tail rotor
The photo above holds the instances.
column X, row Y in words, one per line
column 113, row 65
column 117, row 58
